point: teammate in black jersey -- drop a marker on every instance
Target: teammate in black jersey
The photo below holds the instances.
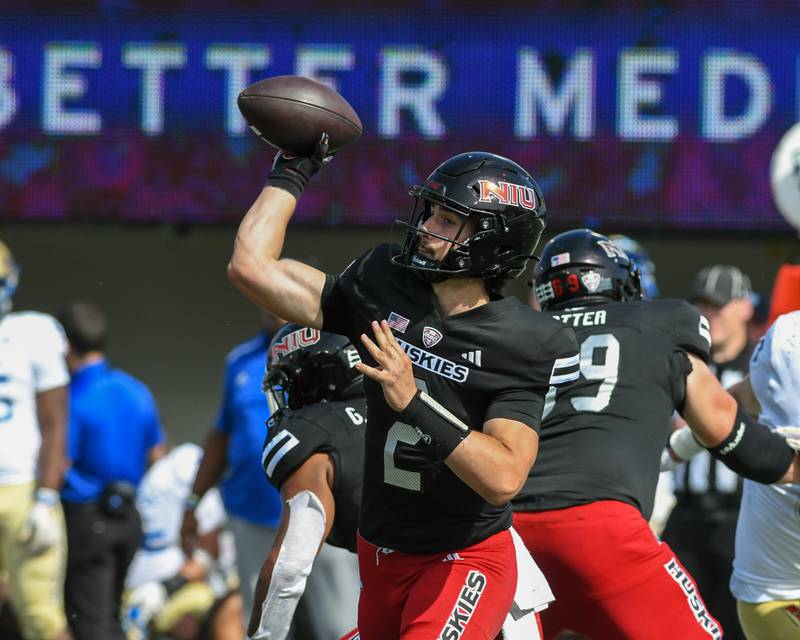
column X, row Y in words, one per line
column 583, row 510
column 454, row 400
column 314, row 454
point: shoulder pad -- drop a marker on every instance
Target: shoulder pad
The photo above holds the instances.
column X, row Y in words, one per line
column 41, row 329
column 687, row 327
column 554, row 350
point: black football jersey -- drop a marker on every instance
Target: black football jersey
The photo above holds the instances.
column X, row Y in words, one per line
column 603, row 435
column 494, row 361
column 335, row 428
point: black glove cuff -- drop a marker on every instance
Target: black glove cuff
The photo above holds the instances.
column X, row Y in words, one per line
column 439, row 428
column 291, row 184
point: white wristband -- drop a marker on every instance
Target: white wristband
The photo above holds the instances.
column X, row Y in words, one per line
column 683, row 443
column 49, row 497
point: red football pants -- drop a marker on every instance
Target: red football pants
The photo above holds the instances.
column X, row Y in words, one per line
column 461, row 595
column 612, row 579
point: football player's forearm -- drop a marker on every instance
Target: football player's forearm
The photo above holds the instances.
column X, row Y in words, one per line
column 743, row 444
column 212, row 464
column 490, row 468
column 259, row 242
column 263, row 228
column 301, row 531
column 260, row 594
column 52, row 415
column 289, row 289
column 51, row 459
column 792, row 475
column 742, row 391
column 155, row 454
column 708, row 409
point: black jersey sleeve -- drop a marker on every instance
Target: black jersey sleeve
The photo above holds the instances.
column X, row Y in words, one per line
column 522, row 405
column 291, row 440
column 370, row 288
column 687, row 327
column 334, row 302
column 551, row 360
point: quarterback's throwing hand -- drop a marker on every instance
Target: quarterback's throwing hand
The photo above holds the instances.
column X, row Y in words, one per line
column 292, row 172
column 394, row 370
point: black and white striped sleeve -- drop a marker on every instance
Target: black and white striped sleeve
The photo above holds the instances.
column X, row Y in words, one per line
column 565, row 369
column 290, row 442
column 554, row 362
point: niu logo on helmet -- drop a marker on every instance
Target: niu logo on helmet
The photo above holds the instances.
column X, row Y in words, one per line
column 508, row 193
column 293, row 341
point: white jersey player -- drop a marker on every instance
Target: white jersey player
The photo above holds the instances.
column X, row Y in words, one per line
column 766, row 569
column 160, row 501
column 32, row 351
column 163, row 584
column 33, row 415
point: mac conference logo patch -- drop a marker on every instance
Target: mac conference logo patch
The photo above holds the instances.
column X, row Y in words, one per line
column 431, row 336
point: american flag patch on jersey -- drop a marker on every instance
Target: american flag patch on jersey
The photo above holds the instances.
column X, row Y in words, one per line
column 398, row 322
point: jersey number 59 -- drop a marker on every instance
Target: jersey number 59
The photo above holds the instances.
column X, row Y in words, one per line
column 599, row 360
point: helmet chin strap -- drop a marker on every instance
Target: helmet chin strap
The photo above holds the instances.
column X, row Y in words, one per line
column 427, row 270
column 432, row 274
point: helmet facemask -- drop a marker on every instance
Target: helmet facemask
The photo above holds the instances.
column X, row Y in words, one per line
column 275, row 388
column 481, row 255
column 456, row 262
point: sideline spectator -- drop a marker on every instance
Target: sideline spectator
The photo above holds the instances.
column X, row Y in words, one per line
column 114, row 434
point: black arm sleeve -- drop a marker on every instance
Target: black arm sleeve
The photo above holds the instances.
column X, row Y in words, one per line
column 753, row 451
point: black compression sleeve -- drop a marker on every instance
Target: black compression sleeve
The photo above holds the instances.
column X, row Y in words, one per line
column 436, row 425
column 753, row 451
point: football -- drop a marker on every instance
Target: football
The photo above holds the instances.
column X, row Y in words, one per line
column 292, row 112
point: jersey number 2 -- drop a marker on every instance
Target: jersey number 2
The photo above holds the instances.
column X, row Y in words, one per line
column 405, row 433
column 606, row 372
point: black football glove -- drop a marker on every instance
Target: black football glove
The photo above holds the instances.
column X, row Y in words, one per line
column 292, row 173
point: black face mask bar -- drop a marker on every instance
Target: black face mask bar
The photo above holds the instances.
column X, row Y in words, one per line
column 456, row 262
column 294, row 369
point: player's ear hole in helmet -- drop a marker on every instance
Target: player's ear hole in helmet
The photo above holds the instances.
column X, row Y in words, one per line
column 582, row 267
column 501, row 199
column 306, row 366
